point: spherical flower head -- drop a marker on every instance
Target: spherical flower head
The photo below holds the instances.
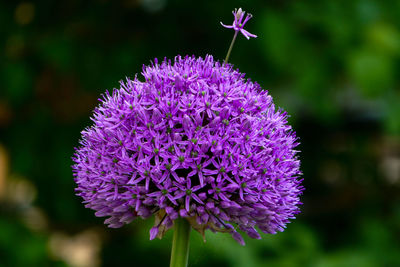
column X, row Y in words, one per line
column 196, row 140
column 238, row 23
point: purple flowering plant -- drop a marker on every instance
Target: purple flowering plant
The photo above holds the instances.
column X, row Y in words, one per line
column 238, row 23
column 197, row 145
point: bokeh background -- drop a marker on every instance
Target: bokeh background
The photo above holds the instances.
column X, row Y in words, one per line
column 333, row 65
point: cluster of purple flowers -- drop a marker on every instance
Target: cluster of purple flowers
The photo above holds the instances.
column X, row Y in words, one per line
column 194, row 140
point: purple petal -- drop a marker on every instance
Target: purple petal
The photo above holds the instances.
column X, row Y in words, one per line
column 183, row 213
column 153, row 232
column 247, row 34
column 238, row 238
column 226, row 26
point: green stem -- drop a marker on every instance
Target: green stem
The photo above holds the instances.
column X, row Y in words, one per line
column 180, row 243
column 230, row 47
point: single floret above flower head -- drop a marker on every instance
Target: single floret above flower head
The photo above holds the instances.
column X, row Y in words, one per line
column 238, row 23
column 195, row 140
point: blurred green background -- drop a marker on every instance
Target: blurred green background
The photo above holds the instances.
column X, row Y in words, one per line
column 333, row 65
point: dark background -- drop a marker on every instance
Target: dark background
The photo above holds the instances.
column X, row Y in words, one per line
column 333, row 65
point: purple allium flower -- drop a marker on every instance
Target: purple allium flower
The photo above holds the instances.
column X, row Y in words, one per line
column 195, row 140
column 238, row 25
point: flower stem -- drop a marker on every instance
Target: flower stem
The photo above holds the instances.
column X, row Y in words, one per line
column 230, row 47
column 180, row 243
